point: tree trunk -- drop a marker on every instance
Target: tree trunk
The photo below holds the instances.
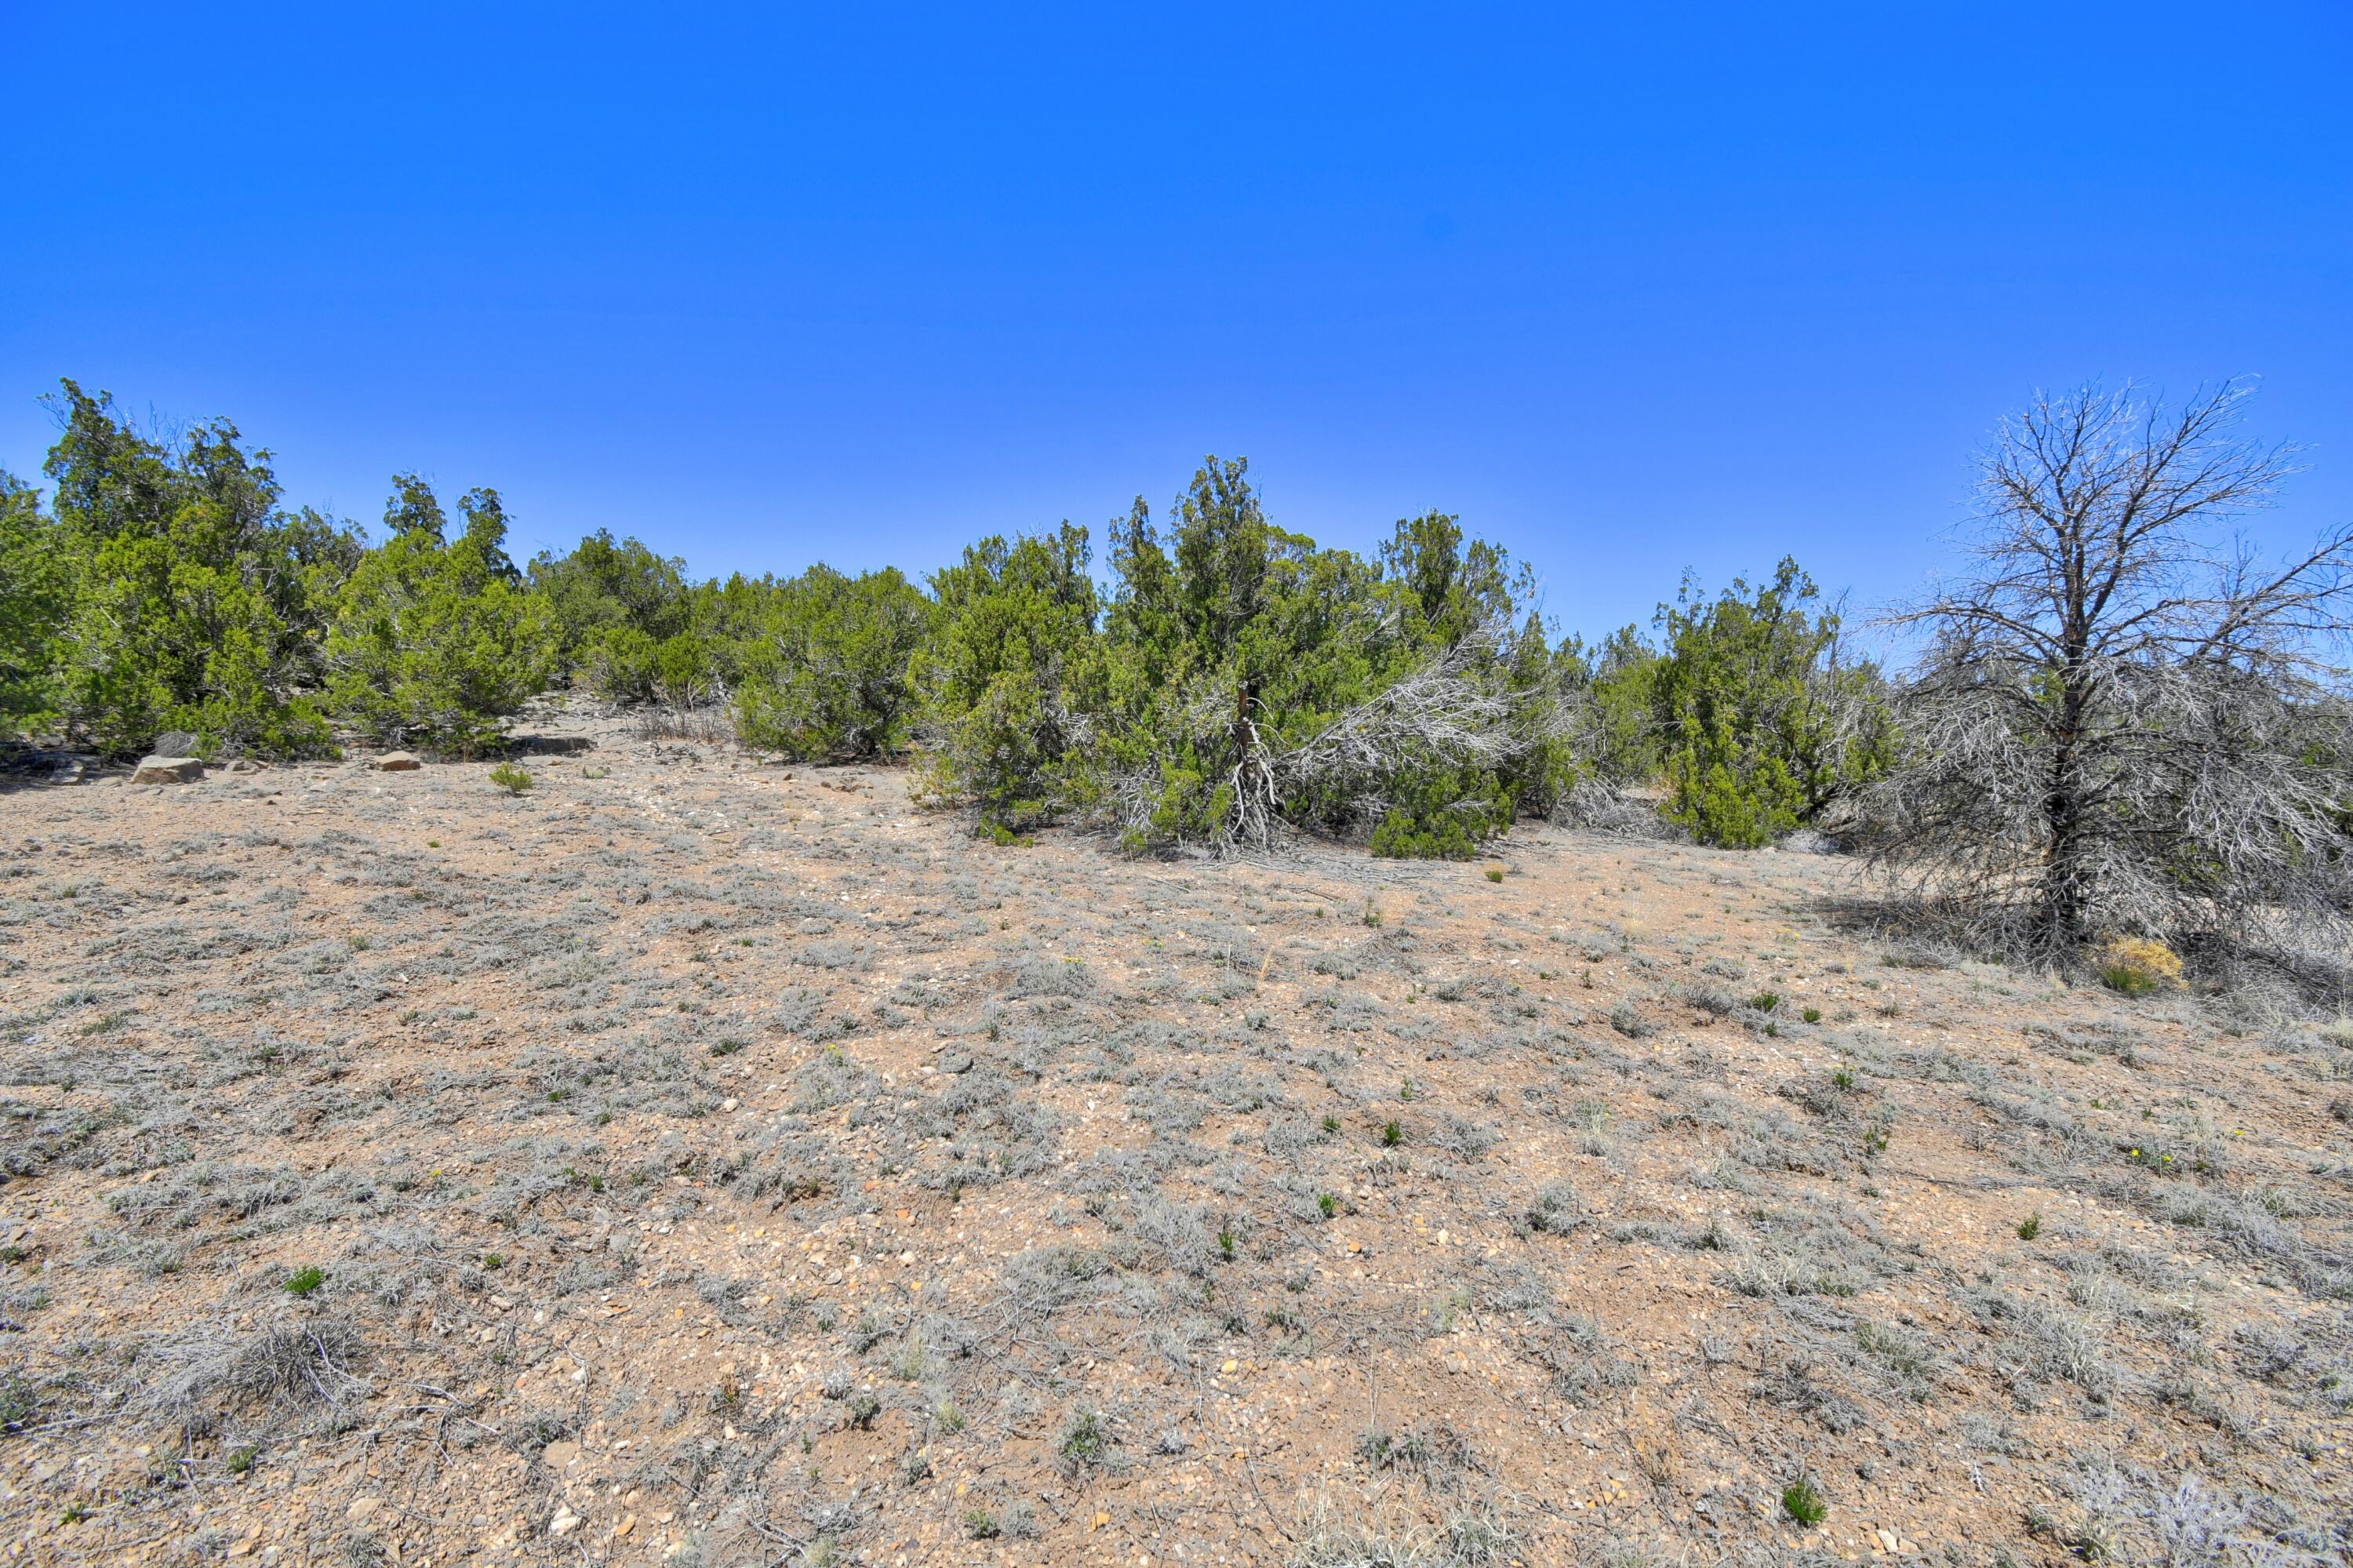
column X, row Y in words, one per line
column 2060, row 914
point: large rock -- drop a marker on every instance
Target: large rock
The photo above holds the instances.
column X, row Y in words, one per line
column 174, row 743
column 168, row 770
column 397, row 762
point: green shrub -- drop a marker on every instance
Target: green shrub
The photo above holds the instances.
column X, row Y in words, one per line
column 33, row 596
column 511, row 779
column 1762, row 723
column 1015, row 634
column 612, row 603
column 180, row 594
column 434, row 641
column 1446, row 814
column 826, row 672
column 1802, row 1503
column 305, row 1280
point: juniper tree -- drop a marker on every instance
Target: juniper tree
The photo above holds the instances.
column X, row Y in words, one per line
column 2124, row 718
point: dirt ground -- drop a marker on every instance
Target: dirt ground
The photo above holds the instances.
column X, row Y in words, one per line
column 704, row 1160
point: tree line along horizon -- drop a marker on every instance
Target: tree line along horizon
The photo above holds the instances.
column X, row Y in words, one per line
column 2121, row 722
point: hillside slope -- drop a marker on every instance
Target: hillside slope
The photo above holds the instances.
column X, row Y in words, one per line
column 691, row 1160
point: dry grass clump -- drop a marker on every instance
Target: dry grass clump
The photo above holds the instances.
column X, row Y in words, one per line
column 2138, row 966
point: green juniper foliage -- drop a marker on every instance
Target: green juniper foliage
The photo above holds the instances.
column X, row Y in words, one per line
column 436, row 640
column 184, row 596
column 825, row 672
column 614, row 603
column 1013, row 644
column 1226, row 679
column 1762, row 723
column 33, row 589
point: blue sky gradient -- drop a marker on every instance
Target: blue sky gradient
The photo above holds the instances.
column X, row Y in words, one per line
column 1633, row 289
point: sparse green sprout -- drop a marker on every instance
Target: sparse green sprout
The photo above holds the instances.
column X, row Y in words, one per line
column 2030, row 1227
column 494, row 1260
column 980, row 1524
column 1328, row 1204
column 1226, row 1243
column 1405, row 1089
column 1843, row 1078
column 1494, row 873
column 19, row 1404
column 1331, row 1124
column 1372, row 912
column 1812, row 1015
column 1083, row 1441
column 306, row 1279
column 240, row 1460
column 1392, row 1133
column 1801, row 1502
column 1765, row 1001
column 511, row 779
column 948, row 1419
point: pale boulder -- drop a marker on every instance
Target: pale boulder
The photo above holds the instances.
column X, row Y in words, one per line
column 168, row 770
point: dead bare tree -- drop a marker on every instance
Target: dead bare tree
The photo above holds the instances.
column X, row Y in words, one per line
column 2125, row 719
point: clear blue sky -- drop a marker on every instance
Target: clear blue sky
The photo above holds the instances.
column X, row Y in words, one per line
column 1631, row 288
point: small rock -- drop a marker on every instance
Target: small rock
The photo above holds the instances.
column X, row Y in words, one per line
column 559, row 1455
column 396, row 762
column 174, row 743
column 729, row 1104
column 68, row 772
column 363, row 1508
column 565, row 1522
column 956, row 1062
column 168, row 770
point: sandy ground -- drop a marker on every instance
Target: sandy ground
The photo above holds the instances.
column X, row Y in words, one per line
column 704, row 1160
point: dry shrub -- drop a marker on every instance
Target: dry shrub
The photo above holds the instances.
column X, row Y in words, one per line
column 2139, row 965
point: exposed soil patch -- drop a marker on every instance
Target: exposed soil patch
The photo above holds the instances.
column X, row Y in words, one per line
column 691, row 1156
